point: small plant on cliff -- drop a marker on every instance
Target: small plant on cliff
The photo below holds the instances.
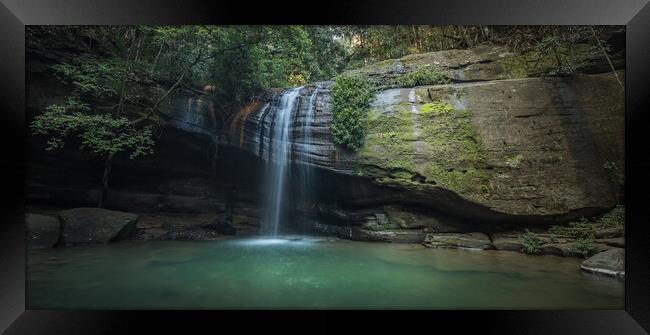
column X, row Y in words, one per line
column 351, row 98
column 423, row 76
column 577, row 229
column 531, row 243
column 584, row 245
column 614, row 219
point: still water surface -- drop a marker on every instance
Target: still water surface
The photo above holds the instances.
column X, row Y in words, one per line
column 307, row 272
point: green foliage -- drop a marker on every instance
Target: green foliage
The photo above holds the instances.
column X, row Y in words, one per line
column 559, row 53
column 422, row 76
column 351, row 98
column 614, row 219
column 381, row 227
column 91, row 76
column 585, row 228
column 584, row 245
column 531, row 243
column 329, row 54
column 101, row 134
column 296, row 80
column 243, row 61
column 577, row 229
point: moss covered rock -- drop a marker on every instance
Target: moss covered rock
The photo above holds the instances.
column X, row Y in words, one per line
column 523, row 149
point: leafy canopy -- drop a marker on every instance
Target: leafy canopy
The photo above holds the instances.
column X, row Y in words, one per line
column 101, row 134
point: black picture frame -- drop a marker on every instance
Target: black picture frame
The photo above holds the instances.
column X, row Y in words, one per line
column 15, row 14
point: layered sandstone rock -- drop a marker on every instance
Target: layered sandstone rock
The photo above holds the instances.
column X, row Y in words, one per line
column 504, row 147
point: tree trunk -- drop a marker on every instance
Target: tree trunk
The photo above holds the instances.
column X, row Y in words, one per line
column 155, row 61
column 107, row 171
column 558, row 60
column 602, row 49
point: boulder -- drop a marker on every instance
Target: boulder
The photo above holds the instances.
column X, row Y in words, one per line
column 454, row 240
column 610, row 263
column 43, row 231
column 89, row 225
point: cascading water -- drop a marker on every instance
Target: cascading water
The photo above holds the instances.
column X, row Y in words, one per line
column 307, row 133
column 279, row 156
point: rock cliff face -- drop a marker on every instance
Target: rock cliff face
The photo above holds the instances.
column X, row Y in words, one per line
column 500, row 147
column 495, row 145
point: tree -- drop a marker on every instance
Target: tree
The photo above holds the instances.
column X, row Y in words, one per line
column 101, row 134
column 97, row 109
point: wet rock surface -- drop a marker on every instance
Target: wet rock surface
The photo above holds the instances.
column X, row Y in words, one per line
column 505, row 241
column 610, row 263
column 454, row 240
column 221, row 227
column 175, row 226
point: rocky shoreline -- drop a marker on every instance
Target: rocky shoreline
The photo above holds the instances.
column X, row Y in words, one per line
column 96, row 226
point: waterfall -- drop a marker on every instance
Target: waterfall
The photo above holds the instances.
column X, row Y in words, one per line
column 279, row 155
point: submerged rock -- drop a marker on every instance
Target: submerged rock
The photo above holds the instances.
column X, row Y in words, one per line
column 222, row 227
column 452, row 240
column 190, row 234
column 88, row 225
column 43, row 231
column 610, row 263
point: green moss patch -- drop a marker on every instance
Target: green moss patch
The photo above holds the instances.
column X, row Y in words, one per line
column 389, row 140
column 448, row 144
column 422, row 76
